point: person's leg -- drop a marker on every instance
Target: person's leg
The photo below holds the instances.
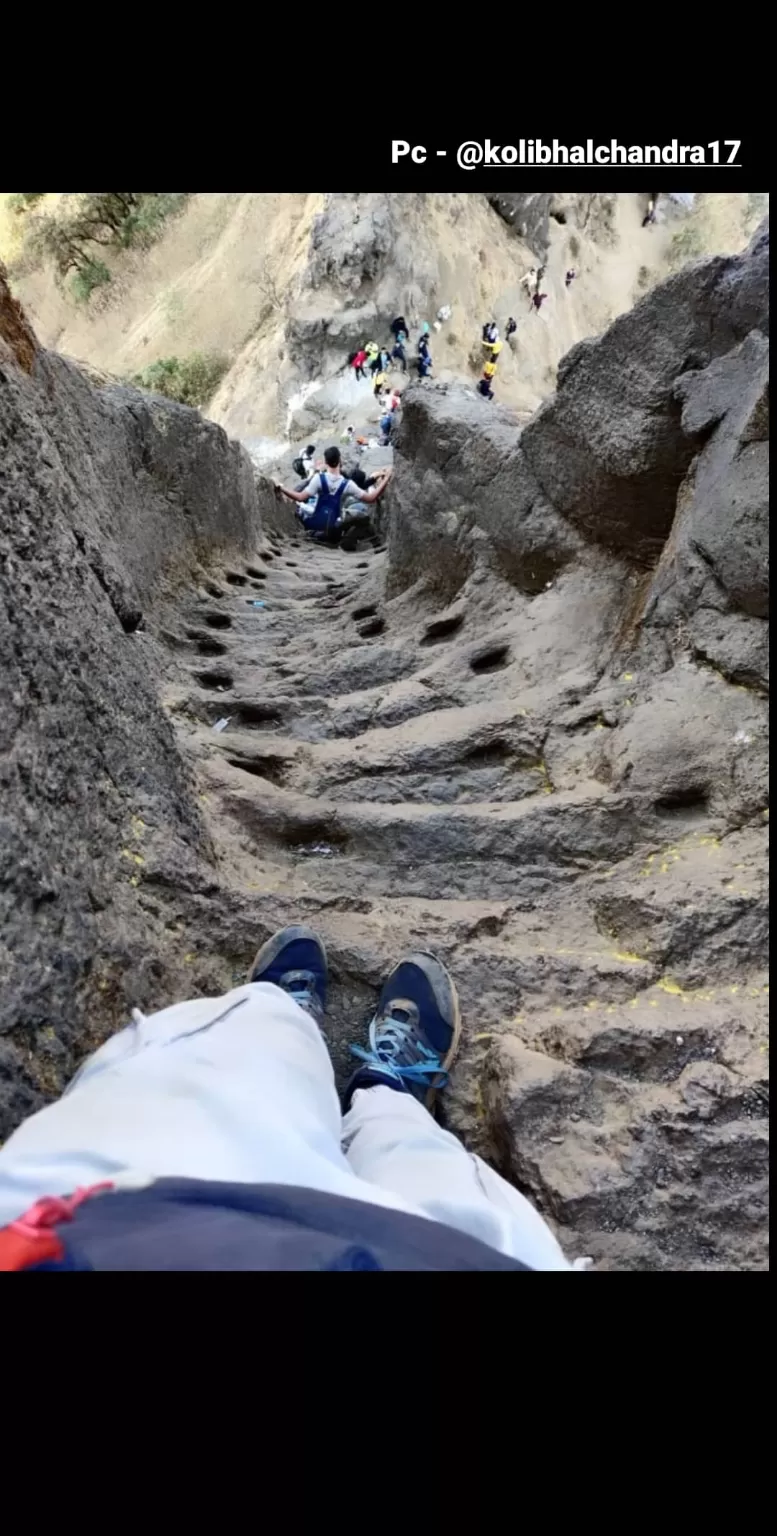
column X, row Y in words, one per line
column 237, row 1088
column 393, row 1142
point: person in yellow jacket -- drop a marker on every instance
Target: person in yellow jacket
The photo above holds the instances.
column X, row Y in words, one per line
column 373, row 357
column 489, row 370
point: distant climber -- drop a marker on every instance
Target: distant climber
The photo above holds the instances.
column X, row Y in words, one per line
column 357, row 361
column 538, row 279
column 569, row 277
column 398, row 353
column 484, row 389
column 538, row 299
column 529, row 280
column 650, row 215
column 512, row 326
column 424, row 358
column 490, row 333
column 493, row 349
column 303, row 466
column 331, row 489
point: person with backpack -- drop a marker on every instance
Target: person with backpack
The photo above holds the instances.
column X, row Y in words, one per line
column 331, row 488
column 400, row 327
column 303, row 466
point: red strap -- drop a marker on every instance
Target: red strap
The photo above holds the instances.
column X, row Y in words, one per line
column 30, row 1240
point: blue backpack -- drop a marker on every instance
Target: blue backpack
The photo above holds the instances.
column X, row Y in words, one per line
column 322, row 522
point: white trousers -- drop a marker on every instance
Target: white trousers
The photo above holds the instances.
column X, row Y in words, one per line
column 241, row 1088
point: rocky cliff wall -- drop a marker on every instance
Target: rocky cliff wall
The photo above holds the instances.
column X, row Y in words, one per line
column 109, row 502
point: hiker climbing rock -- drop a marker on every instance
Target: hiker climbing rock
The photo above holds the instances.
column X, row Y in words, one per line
column 512, row 326
column 398, row 353
column 400, row 327
column 484, row 388
column 493, row 349
column 358, row 362
column 529, row 281
column 373, row 356
column 210, row 1136
column 569, row 277
column 303, row 466
column 650, row 213
column 490, row 333
column 538, row 299
column 424, row 358
column 331, row 489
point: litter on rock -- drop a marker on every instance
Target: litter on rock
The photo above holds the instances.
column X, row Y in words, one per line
column 252, row 603
column 221, row 725
column 318, row 850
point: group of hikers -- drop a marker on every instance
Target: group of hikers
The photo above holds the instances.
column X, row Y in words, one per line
column 531, row 282
column 376, row 362
column 331, row 504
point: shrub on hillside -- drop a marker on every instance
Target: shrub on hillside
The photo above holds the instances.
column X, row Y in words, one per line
column 189, row 380
column 73, row 235
column 144, row 222
column 20, row 202
column 93, row 275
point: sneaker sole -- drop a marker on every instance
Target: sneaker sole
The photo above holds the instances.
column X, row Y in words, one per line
column 273, row 946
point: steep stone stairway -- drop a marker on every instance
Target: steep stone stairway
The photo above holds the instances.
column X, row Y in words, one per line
column 384, row 775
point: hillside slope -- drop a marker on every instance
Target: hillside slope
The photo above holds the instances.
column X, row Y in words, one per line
column 286, row 284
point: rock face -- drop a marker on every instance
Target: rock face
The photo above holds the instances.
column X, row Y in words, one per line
column 109, row 500
column 531, row 737
column 612, row 560
column 527, row 213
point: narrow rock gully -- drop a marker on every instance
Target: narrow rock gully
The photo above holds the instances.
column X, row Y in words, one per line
column 381, row 777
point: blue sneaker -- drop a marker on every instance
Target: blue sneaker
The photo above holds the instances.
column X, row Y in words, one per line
column 415, row 1033
column 295, row 960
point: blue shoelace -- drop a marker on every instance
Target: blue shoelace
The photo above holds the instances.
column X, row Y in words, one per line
column 388, row 1039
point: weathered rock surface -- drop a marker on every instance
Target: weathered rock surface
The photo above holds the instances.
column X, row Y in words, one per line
column 531, row 737
column 527, row 213
column 109, row 499
column 713, row 577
